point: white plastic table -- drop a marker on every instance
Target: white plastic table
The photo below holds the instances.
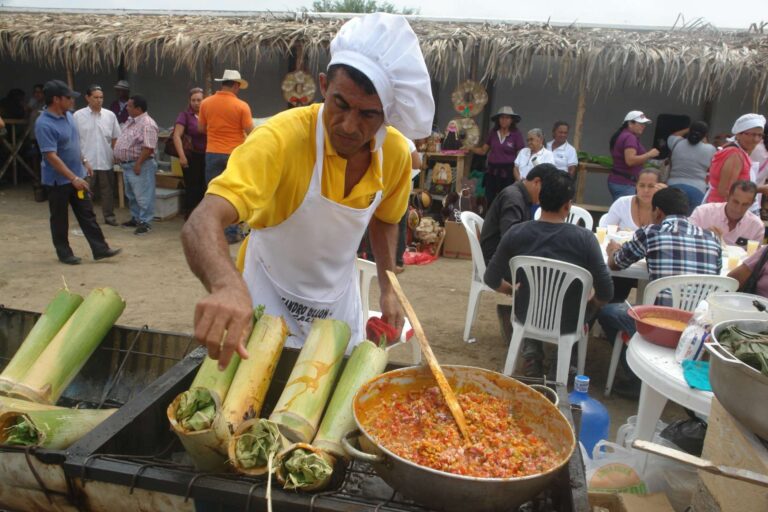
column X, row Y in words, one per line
column 662, row 380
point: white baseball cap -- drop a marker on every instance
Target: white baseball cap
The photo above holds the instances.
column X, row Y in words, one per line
column 637, row 116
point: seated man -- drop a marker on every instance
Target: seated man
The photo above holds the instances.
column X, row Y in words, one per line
column 513, row 205
column 551, row 237
column 732, row 221
column 671, row 246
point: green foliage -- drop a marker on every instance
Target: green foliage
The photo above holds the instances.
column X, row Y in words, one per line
column 361, row 6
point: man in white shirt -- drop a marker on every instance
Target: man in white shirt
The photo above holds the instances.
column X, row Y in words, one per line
column 564, row 154
column 99, row 129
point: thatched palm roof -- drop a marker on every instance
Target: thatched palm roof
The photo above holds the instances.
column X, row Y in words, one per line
column 695, row 63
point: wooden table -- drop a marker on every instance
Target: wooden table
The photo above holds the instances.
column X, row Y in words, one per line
column 14, row 147
column 162, row 180
column 461, row 161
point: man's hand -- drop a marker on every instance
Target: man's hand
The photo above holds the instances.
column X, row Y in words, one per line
column 80, row 184
column 183, row 161
column 653, row 153
column 137, row 168
column 391, row 312
column 89, row 168
column 223, row 322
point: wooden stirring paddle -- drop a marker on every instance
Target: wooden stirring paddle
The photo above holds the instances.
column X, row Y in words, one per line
column 442, row 382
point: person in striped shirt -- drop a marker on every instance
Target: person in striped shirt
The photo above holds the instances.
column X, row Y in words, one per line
column 671, row 246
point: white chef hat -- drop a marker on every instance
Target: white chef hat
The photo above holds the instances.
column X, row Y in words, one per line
column 747, row 122
column 386, row 50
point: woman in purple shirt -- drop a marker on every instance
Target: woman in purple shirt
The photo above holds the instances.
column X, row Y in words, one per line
column 190, row 145
column 628, row 155
column 502, row 145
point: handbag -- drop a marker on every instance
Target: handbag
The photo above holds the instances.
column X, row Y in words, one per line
column 750, row 285
column 170, row 147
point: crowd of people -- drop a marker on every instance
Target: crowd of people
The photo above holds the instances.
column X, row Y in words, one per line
column 678, row 227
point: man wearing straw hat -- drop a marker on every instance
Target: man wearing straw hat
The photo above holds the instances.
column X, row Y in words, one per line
column 119, row 107
column 226, row 120
column 308, row 182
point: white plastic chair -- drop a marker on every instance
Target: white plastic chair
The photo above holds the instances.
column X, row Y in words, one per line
column 548, row 280
column 473, row 224
column 577, row 214
column 366, row 272
column 687, row 291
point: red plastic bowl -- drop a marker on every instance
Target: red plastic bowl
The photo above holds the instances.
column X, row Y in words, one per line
column 663, row 336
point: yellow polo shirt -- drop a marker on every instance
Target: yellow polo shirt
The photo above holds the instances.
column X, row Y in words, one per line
column 268, row 175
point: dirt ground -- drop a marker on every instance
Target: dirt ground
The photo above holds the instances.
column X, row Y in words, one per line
column 160, row 291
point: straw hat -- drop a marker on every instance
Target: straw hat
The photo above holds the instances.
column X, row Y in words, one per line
column 232, row 75
column 123, row 85
column 506, row 110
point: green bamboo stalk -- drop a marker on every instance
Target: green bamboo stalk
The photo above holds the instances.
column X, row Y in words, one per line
column 69, row 350
column 50, row 322
column 301, row 404
column 56, row 429
column 366, row 362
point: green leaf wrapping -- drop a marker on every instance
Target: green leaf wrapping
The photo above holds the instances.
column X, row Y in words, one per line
column 304, row 468
column 749, row 347
column 23, row 433
column 254, row 446
column 196, row 410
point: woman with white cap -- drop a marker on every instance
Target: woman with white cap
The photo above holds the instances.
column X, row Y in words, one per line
column 308, row 182
column 628, row 154
column 502, row 145
column 732, row 162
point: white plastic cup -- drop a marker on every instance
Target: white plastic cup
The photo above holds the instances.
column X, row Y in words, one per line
column 733, row 261
column 752, row 246
column 612, row 229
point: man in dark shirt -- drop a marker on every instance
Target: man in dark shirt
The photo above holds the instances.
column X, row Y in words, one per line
column 512, row 206
column 551, row 237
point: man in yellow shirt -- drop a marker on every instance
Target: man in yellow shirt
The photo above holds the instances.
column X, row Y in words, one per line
column 309, row 182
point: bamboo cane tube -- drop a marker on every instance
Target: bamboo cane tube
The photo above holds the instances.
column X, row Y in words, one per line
column 366, row 362
column 50, row 322
column 252, row 445
column 305, row 467
column 69, row 350
column 249, row 387
column 56, row 429
column 14, row 404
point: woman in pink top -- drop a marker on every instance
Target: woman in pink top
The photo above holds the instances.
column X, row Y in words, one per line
column 732, row 163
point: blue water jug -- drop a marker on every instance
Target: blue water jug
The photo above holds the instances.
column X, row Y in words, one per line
column 595, row 420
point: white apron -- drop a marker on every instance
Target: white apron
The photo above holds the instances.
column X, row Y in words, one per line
column 304, row 267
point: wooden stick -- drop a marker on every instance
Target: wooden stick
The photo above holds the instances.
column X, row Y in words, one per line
column 442, row 382
column 744, row 475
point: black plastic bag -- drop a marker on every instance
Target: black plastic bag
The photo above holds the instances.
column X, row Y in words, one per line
column 687, row 434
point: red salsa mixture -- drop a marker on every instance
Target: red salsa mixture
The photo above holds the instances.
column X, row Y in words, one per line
column 418, row 426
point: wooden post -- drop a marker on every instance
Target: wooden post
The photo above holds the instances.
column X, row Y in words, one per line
column 581, row 108
column 70, row 75
column 208, row 72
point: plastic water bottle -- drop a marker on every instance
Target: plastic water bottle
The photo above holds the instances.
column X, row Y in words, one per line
column 594, row 416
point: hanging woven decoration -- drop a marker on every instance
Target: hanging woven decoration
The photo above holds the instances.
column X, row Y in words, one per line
column 469, row 98
column 298, row 88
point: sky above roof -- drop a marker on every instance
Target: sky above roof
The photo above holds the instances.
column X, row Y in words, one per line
column 661, row 13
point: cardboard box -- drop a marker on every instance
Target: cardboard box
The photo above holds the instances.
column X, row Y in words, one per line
column 456, row 244
column 606, row 502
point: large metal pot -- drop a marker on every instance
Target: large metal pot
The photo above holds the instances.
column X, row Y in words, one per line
column 447, row 491
column 741, row 389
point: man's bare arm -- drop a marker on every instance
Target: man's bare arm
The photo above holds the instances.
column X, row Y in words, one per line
column 383, row 236
column 223, row 318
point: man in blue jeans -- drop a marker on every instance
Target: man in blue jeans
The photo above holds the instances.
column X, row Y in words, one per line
column 135, row 150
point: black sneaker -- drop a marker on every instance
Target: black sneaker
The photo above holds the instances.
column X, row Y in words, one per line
column 111, row 221
column 108, row 254
column 130, row 224
column 70, row 260
column 142, row 229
